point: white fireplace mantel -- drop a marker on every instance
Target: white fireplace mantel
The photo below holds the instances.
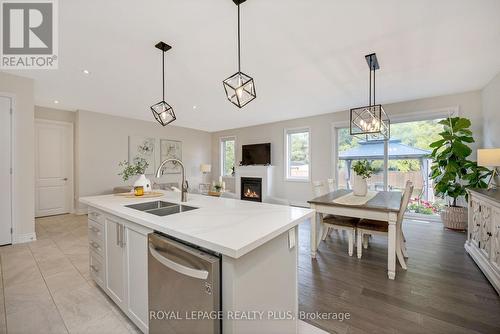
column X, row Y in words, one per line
column 263, row 172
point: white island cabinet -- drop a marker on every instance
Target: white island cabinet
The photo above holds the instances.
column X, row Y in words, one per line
column 119, row 263
column 256, row 242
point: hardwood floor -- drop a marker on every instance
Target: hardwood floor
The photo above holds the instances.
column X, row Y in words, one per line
column 443, row 291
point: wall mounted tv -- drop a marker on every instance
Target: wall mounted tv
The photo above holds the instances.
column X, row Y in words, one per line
column 257, row 154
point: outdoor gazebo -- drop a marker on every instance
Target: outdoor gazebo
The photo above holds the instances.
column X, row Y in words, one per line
column 374, row 150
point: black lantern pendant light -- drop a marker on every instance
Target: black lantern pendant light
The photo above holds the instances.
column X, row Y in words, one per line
column 370, row 121
column 240, row 88
column 162, row 111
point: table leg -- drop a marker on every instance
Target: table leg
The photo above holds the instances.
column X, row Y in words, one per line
column 391, row 252
column 314, row 234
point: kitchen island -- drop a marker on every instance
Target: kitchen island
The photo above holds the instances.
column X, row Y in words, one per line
column 256, row 244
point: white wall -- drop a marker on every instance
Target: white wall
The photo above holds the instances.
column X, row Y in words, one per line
column 321, row 156
column 102, row 142
column 491, row 113
column 53, row 114
column 22, row 156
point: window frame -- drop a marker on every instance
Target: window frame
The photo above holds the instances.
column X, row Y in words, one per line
column 286, row 140
column 222, row 153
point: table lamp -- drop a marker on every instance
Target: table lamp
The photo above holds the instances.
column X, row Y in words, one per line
column 489, row 157
column 205, row 168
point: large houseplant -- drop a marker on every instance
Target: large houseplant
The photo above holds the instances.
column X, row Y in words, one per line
column 452, row 171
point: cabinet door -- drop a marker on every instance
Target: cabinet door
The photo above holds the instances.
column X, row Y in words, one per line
column 115, row 283
column 137, row 276
column 495, row 240
column 475, row 227
column 485, row 239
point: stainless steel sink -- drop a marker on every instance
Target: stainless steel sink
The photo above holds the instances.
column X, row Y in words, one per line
column 161, row 208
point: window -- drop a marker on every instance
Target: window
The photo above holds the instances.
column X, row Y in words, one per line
column 407, row 159
column 227, row 155
column 298, row 154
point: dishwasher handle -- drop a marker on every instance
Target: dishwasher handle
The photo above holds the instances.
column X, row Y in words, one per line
column 195, row 273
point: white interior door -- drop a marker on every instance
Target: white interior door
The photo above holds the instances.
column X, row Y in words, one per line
column 5, row 171
column 54, row 168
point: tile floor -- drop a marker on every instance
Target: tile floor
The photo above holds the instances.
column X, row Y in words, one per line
column 46, row 287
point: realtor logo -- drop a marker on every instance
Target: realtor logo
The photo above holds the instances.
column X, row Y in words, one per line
column 29, row 34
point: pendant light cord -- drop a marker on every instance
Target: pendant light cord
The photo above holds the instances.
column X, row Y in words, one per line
column 163, row 74
column 374, row 86
column 239, row 48
column 370, row 94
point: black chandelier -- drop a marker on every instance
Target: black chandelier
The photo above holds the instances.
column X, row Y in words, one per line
column 162, row 111
column 371, row 121
column 240, row 88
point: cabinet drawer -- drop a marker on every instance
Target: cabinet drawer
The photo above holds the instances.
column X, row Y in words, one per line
column 96, row 216
column 96, row 230
column 96, row 268
column 96, row 245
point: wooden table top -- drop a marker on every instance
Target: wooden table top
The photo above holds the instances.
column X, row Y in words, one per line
column 387, row 201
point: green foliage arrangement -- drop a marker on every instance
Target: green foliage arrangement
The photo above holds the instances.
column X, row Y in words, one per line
column 451, row 171
column 363, row 168
column 137, row 167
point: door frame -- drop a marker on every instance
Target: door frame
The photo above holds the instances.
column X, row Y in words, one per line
column 12, row 98
column 71, row 181
column 445, row 112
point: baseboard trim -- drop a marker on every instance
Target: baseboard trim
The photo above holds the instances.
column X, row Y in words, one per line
column 81, row 212
column 22, row 238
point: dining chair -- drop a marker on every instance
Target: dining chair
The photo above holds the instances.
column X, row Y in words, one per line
column 377, row 227
column 331, row 185
column 336, row 222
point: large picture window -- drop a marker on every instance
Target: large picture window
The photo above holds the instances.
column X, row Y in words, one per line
column 298, row 154
column 227, row 155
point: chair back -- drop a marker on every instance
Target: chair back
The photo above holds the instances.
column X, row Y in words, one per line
column 319, row 188
column 404, row 201
column 331, row 185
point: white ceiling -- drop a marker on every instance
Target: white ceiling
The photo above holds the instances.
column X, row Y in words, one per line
column 306, row 56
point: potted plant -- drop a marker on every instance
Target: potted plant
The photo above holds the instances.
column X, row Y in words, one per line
column 363, row 170
column 137, row 167
column 452, row 172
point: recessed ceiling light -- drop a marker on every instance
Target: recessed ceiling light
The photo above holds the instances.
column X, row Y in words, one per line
column 86, row 72
column 194, row 107
column 56, row 101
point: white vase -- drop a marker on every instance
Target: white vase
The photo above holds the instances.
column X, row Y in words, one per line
column 142, row 181
column 360, row 187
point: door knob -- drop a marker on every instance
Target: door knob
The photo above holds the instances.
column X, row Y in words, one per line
column 65, row 179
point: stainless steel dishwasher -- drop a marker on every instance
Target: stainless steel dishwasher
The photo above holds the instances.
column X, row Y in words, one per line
column 182, row 280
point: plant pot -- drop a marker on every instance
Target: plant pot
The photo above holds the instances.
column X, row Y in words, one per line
column 142, row 181
column 454, row 218
column 360, row 186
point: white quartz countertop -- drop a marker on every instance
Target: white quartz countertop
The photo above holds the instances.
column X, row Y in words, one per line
column 226, row 226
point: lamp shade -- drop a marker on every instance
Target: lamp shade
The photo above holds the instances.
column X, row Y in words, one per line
column 488, row 157
column 205, row 168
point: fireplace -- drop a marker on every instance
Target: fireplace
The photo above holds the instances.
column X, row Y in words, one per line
column 251, row 189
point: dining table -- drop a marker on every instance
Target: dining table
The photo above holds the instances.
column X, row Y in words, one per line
column 382, row 206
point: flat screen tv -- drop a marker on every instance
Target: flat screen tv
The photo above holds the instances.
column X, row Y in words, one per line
column 258, row 154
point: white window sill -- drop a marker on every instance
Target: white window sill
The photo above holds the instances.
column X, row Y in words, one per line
column 297, row 180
